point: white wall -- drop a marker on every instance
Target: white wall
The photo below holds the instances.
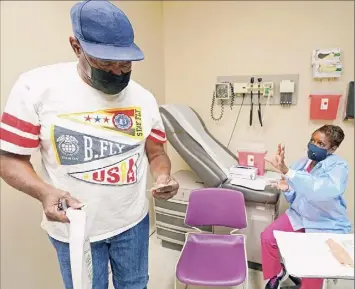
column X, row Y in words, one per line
column 215, row 38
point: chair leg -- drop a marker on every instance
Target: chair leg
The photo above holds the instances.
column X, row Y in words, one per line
column 325, row 284
column 246, row 281
column 237, row 286
column 176, row 282
column 245, row 285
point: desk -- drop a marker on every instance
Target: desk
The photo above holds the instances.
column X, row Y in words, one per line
column 306, row 255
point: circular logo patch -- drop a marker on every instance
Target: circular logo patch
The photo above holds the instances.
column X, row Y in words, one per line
column 68, row 145
column 122, row 121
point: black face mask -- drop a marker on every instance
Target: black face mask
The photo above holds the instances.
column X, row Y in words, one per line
column 107, row 82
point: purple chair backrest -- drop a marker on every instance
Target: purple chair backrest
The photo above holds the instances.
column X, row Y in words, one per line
column 216, row 207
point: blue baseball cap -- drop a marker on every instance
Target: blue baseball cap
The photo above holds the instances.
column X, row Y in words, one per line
column 104, row 31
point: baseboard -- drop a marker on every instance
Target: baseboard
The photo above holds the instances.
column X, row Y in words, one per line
column 255, row 266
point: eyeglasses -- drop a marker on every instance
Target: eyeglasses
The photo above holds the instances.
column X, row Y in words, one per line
column 108, row 65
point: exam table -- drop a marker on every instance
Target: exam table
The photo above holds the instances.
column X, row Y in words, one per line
column 210, row 161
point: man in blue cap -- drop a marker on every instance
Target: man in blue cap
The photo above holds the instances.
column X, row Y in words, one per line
column 97, row 131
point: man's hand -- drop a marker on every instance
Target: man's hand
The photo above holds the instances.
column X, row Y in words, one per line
column 51, row 202
column 17, row 171
column 278, row 162
column 165, row 187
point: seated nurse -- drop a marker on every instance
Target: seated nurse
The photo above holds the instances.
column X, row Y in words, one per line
column 314, row 187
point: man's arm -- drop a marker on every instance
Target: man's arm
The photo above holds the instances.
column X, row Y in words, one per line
column 17, row 171
column 158, row 159
column 19, row 139
column 165, row 186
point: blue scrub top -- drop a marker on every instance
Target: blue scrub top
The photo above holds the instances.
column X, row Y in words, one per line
column 316, row 198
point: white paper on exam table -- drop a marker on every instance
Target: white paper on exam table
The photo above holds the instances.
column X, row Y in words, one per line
column 307, row 255
column 259, row 183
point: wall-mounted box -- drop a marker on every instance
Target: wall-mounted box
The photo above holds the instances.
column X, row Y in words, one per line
column 349, row 103
column 323, row 106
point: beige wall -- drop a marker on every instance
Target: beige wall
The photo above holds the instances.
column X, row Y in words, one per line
column 187, row 44
column 35, row 33
column 206, row 39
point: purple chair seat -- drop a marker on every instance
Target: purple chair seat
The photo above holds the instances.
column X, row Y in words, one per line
column 212, row 260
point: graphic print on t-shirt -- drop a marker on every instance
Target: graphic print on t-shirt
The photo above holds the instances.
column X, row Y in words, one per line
column 74, row 147
column 120, row 173
column 126, row 121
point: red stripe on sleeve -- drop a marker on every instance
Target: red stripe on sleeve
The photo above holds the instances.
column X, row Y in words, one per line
column 158, row 133
column 22, row 125
column 151, row 137
column 18, row 140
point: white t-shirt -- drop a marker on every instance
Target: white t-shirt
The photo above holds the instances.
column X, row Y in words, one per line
column 92, row 145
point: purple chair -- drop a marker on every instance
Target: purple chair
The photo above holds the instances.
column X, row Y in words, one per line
column 209, row 259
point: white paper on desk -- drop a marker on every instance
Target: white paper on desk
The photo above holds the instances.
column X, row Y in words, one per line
column 80, row 250
column 257, row 184
column 307, row 254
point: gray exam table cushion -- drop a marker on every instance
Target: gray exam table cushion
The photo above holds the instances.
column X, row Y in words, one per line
column 202, row 163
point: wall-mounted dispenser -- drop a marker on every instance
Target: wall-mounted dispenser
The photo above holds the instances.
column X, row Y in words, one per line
column 349, row 102
column 326, row 63
column 324, row 106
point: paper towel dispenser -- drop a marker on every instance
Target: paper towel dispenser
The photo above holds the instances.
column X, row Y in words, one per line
column 349, row 103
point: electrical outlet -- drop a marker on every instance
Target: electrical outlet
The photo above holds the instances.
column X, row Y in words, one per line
column 287, row 86
column 240, row 88
column 223, row 90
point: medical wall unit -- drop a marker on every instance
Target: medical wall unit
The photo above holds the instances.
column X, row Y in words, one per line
column 324, row 106
column 269, row 88
column 210, row 161
column 255, row 91
column 287, row 88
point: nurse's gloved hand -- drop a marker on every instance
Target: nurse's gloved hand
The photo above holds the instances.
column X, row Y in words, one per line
column 281, row 185
column 278, row 162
